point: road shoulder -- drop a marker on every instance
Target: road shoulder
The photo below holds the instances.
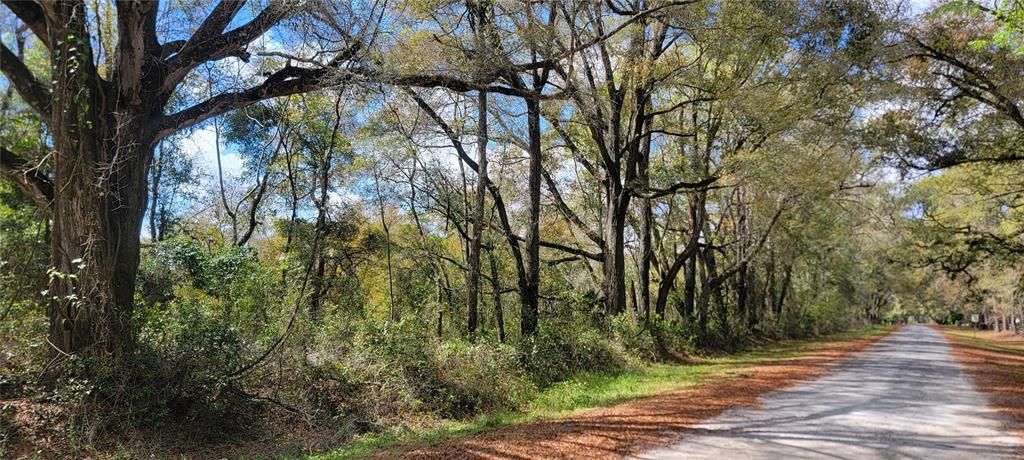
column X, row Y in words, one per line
column 995, row 362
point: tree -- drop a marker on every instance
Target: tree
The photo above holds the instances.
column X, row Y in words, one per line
column 952, row 100
column 954, row 109
column 172, row 175
column 106, row 118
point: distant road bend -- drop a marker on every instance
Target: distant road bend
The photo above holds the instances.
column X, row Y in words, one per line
column 903, row 398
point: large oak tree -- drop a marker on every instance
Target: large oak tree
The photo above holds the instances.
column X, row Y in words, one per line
column 105, row 119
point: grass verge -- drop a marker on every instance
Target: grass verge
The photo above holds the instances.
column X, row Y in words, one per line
column 993, row 341
column 589, row 391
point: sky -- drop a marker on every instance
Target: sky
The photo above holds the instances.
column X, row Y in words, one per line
column 201, row 147
column 920, row 6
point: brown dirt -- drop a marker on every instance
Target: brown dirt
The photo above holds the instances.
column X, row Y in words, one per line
column 29, row 426
column 639, row 425
column 997, row 369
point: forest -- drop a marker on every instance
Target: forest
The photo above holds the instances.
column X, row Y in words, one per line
column 226, row 218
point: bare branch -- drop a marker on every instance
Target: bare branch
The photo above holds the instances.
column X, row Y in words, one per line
column 492, row 188
column 634, row 16
column 597, row 256
column 215, row 22
column 284, row 82
column 753, row 250
column 1007, row 105
column 31, row 89
column 205, row 47
column 568, row 212
column 455, row 84
column 171, row 47
column 571, row 145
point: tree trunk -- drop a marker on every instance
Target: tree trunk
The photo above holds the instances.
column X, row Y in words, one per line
column 499, row 311
column 394, row 313
column 755, row 299
column 701, row 307
column 439, row 323
column 154, row 200
column 499, row 204
column 664, row 288
column 787, row 276
column 100, row 167
column 711, row 290
column 646, row 221
column 771, row 290
column 614, row 252
column 97, row 219
column 741, row 234
column 742, row 294
column 319, row 286
column 529, row 311
column 667, row 281
column 103, row 144
column 473, row 276
column 690, row 270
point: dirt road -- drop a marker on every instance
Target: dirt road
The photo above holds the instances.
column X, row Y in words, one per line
column 905, row 397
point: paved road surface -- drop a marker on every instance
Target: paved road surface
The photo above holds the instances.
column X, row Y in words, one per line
column 903, row 398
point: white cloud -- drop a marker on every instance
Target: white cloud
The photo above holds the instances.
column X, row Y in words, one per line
column 201, row 147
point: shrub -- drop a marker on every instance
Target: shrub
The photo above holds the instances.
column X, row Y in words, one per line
column 562, row 349
column 197, row 350
column 475, row 378
column 653, row 340
column 455, row 379
column 357, row 394
column 176, row 374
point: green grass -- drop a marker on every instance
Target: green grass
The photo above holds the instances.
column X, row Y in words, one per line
column 587, row 391
column 441, row 430
column 598, row 390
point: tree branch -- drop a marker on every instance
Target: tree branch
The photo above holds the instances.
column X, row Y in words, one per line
column 597, row 256
column 31, row 89
column 29, row 179
column 492, row 188
column 204, row 46
column 454, row 84
column 1004, row 104
column 752, row 251
column 32, row 15
column 171, row 47
column 658, row 193
column 601, row 37
column 568, row 212
column 284, row 82
column 215, row 22
column 571, row 145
